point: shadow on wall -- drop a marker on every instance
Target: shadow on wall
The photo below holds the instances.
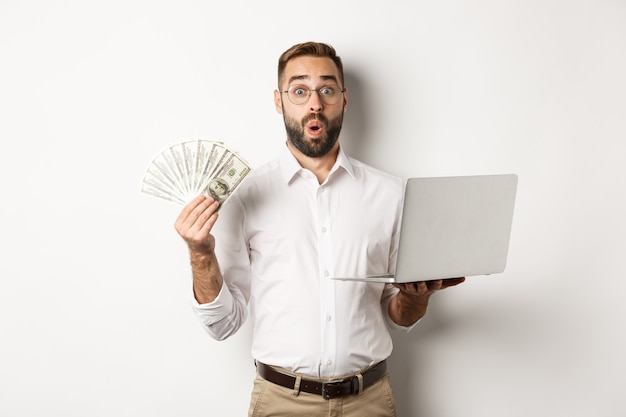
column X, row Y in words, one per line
column 408, row 357
column 354, row 134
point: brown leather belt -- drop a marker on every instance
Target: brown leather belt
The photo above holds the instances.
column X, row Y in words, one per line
column 328, row 390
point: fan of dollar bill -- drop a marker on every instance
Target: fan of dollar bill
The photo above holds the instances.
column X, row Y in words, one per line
column 189, row 168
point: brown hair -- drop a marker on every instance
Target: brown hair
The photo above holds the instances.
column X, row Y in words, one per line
column 309, row 49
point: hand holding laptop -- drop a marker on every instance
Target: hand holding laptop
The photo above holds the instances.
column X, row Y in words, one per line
column 427, row 288
column 411, row 303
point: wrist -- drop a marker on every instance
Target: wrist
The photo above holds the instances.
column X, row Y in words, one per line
column 406, row 309
column 412, row 300
column 200, row 253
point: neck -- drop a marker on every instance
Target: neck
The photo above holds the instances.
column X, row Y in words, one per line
column 319, row 166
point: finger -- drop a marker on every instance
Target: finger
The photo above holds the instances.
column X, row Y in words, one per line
column 414, row 288
column 435, row 285
column 188, row 209
column 196, row 213
column 403, row 287
column 417, row 287
column 208, row 218
column 422, row 287
column 203, row 223
column 451, row 282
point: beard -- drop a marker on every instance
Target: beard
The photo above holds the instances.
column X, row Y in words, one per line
column 313, row 148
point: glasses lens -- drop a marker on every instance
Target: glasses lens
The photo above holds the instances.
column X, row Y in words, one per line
column 329, row 94
column 299, row 94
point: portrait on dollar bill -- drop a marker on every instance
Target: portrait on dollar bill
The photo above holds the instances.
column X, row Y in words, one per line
column 218, row 189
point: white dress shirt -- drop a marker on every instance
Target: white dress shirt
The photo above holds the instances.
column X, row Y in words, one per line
column 281, row 237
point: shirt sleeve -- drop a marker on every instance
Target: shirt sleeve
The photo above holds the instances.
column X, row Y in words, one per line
column 222, row 317
column 390, row 291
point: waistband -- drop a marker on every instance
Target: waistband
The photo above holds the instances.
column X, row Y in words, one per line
column 350, row 385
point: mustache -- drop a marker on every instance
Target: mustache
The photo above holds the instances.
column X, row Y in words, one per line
column 315, row 116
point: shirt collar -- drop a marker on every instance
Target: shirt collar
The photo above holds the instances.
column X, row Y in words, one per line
column 290, row 166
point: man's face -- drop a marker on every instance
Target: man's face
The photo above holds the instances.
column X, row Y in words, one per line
column 313, row 127
column 218, row 188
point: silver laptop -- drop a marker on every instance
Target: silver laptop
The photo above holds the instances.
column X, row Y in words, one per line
column 453, row 227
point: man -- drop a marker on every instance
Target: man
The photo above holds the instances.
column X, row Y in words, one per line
column 320, row 345
column 218, row 189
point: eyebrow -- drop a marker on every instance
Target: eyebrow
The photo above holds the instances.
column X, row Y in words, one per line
column 307, row 77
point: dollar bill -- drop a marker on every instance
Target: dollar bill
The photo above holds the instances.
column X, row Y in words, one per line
column 211, row 161
column 189, row 168
column 227, row 178
column 160, row 193
column 190, row 150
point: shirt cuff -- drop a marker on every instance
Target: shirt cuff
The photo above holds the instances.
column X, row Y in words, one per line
column 395, row 326
column 216, row 310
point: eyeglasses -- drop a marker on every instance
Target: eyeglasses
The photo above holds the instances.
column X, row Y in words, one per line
column 300, row 94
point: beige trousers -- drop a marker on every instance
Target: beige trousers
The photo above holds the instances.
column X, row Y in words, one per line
column 269, row 399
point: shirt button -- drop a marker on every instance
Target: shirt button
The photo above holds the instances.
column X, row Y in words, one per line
column 326, row 273
column 323, row 230
column 329, row 362
column 329, row 318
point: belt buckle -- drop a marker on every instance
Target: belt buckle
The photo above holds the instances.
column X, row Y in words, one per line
column 325, row 385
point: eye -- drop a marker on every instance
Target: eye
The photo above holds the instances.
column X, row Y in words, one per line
column 327, row 91
column 299, row 91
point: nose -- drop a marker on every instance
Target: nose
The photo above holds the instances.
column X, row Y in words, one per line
column 315, row 103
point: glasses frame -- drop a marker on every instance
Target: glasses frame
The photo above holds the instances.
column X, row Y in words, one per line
column 321, row 96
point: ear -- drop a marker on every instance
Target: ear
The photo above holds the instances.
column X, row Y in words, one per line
column 345, row 99
column 278, row 105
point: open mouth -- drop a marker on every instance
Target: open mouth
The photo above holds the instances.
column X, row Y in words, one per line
column 314, row 126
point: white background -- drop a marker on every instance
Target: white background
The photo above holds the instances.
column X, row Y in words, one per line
column 94, row 283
